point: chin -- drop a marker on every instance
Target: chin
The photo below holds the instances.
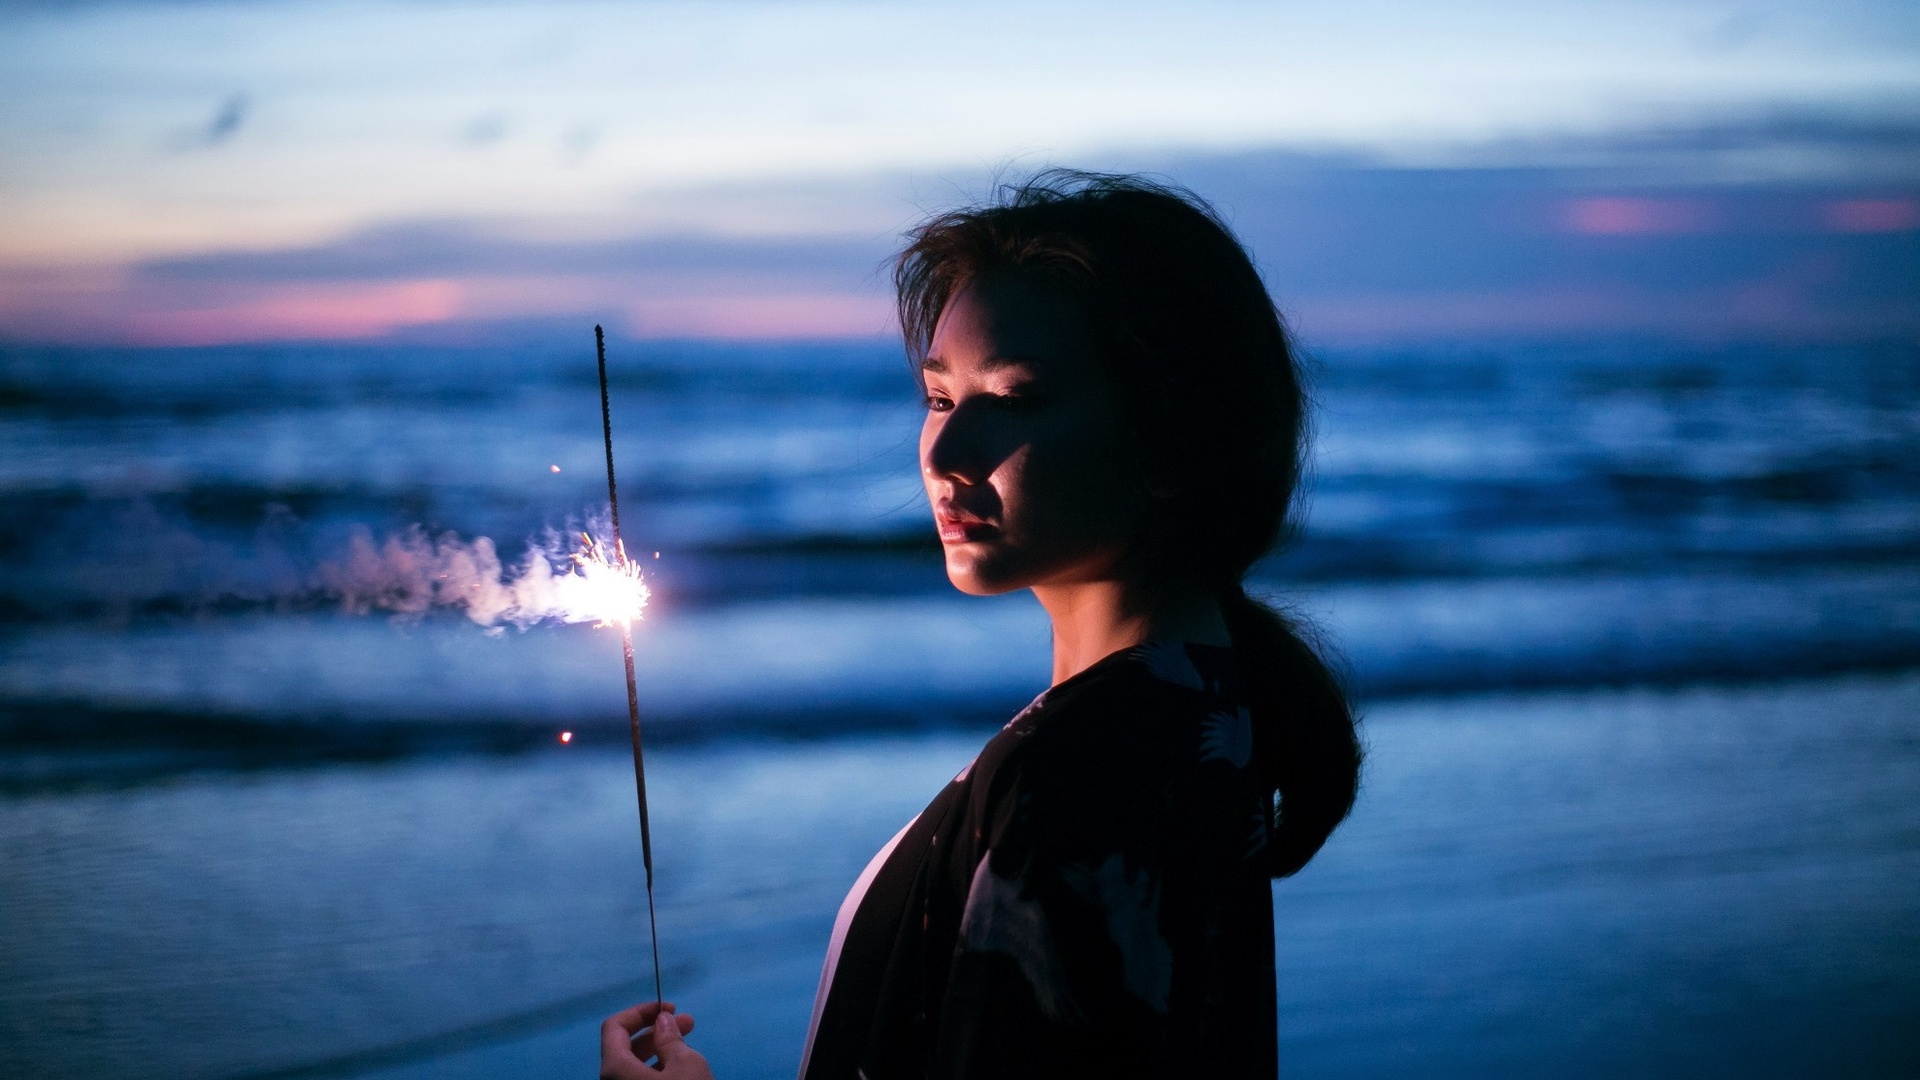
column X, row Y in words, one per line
column 980, row 573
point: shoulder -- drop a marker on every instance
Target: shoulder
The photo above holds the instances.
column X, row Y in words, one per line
column 1120, row 749
column 1148, row 708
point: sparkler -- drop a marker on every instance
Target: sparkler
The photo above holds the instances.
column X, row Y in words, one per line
column 629, row 571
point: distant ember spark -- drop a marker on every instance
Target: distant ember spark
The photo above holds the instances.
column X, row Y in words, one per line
column 553, row 468
column 566, row 736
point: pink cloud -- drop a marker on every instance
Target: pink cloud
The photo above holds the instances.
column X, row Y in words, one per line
column 1631, row 216
column 342, row 311
column 1786, row 307
column 106, row 308
column 1872, row 215
column 764, row 316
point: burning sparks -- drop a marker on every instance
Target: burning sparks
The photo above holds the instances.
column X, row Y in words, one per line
column 608, row 591
column 566, row 736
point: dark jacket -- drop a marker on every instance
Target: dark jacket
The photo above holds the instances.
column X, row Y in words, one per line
column 1098, row 867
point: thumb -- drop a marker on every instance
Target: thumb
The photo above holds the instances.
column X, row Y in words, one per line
column 668, row 1042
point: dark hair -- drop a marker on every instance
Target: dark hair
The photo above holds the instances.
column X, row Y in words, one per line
column 1208, row 379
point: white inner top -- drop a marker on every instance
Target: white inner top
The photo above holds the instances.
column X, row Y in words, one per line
column 840, row 924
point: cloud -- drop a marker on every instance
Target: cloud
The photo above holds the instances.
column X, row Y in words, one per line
column 443, row 248
column 1617, row 215
column 1873, row 215
column 377, row 107
column 227, row 121
column 230, row 115
column 484, row 129
column 411, row 275
column 355, row 310
column 1661, row 238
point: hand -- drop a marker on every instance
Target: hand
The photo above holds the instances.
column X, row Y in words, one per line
column 629, row 1038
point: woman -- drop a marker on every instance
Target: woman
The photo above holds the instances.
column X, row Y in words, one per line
column 1115, row 421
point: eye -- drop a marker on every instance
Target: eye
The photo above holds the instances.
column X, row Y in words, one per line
column 1016, row 401
column 936, row 403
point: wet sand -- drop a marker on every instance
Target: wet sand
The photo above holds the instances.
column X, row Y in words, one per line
column 1715, row 881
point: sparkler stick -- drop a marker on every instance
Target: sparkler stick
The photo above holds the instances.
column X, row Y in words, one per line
column 626, row 652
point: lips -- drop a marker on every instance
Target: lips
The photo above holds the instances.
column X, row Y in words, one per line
column 959, row 527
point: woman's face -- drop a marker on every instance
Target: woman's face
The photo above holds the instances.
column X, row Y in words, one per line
column 1028, row 471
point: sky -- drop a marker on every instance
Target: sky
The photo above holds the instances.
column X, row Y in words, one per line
column 197, row 173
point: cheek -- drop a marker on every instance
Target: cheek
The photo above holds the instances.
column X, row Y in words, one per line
column 1074, row 487
column 929, row 429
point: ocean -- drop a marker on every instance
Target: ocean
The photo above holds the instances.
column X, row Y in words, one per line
column 1635, row 628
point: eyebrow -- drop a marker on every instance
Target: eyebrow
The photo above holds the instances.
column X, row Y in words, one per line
column 992, row 363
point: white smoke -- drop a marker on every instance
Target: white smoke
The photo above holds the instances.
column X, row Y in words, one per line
column 410, row 574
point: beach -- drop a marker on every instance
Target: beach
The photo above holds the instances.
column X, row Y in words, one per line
column 1708, row 880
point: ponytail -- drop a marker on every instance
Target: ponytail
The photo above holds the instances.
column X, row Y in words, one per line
column 1304, row 743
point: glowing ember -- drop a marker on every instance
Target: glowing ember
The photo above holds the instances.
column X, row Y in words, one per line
column 566, row 736
column 604, row 589
column 554, row 468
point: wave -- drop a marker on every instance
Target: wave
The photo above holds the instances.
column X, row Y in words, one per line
column 185, row 534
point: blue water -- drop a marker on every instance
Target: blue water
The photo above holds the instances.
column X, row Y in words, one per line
column 1635, row 628
column 1477, row 519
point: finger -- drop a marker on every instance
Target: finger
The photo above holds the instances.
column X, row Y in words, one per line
column 645, row 1045
column 617, row 1044
column 616, row 1053
column 669, row 1038
column 640, row 1016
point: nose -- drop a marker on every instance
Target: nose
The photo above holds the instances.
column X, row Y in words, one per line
column 956, row 446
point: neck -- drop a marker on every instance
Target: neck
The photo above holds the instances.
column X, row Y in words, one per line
column 1094, row 619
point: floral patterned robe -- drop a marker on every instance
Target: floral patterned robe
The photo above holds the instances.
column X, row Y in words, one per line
column 1098, row 867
